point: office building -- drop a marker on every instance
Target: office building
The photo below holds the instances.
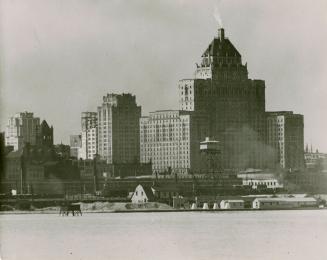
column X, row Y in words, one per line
column 233, row 103
column 285, row 136
column 118, row 129
column 22, row 128
column 170, row 139
column 89, row 135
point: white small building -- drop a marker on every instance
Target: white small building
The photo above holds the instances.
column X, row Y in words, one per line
column 269, row 183
column 232, row 204
column 280, row 203
column 257, row 178
column 142, row 194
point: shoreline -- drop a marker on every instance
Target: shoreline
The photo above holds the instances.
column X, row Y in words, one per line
column 155, row 211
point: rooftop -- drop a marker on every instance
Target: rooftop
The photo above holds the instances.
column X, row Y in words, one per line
column 221, row 47
column 296, row 199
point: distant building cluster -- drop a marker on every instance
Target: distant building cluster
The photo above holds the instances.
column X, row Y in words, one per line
column 24, row 128
column 315, row 160
column 220, row 102
column 219, row 107
column 234, row 107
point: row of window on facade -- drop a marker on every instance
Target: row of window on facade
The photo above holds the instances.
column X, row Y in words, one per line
column 166, row 146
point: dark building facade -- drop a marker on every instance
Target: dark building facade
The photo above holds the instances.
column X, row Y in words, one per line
column 62, row 151
column 46, row 134
column 118, row 129
column 95, row 173
column 285, row 137
column 233, row 104
column 37, row 170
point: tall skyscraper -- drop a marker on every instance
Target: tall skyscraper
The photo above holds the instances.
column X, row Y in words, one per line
column 170, row 139
column 89, row 135
column 22, row 128
column 233, row 103
column 285, row 137
column 118, row 129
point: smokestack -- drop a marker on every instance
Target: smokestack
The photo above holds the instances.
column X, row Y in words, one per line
column 221, row 34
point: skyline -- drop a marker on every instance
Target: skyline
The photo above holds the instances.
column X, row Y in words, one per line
column 39, row 52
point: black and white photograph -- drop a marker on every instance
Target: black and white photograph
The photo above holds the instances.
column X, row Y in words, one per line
column 163, row 129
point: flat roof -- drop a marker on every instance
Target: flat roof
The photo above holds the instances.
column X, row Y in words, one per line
column 286, row 199
column 233, row 200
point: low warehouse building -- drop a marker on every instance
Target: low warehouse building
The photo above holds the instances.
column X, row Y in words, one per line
column 280, row 203
column 232, row 204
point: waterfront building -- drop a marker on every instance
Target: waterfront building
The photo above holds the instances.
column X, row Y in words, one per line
column 285, row 137
column 142, row 195
column 118, row 129
column 89, row 135
column 278, row 203
column 232, row 204
column 37, row 170
column 75, row 146
column 170, row 139
column 233, row 104
column 258, row 179
column 265, row 183
column 22, row 128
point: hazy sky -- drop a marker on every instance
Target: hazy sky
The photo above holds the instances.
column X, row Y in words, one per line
column 58, row 58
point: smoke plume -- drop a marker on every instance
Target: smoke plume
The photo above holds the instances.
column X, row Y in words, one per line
column 217, row 16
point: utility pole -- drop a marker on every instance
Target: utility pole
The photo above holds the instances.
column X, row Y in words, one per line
column 95, row 181
column 22, row 172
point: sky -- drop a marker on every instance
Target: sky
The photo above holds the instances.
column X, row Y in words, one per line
column 58, row 58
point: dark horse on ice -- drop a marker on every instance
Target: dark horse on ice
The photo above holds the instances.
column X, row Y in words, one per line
column 73, row 208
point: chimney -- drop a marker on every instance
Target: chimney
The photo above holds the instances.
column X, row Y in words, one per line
column 221, row 34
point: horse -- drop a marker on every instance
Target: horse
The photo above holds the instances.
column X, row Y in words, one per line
column 73, row 208
column 63, row 210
